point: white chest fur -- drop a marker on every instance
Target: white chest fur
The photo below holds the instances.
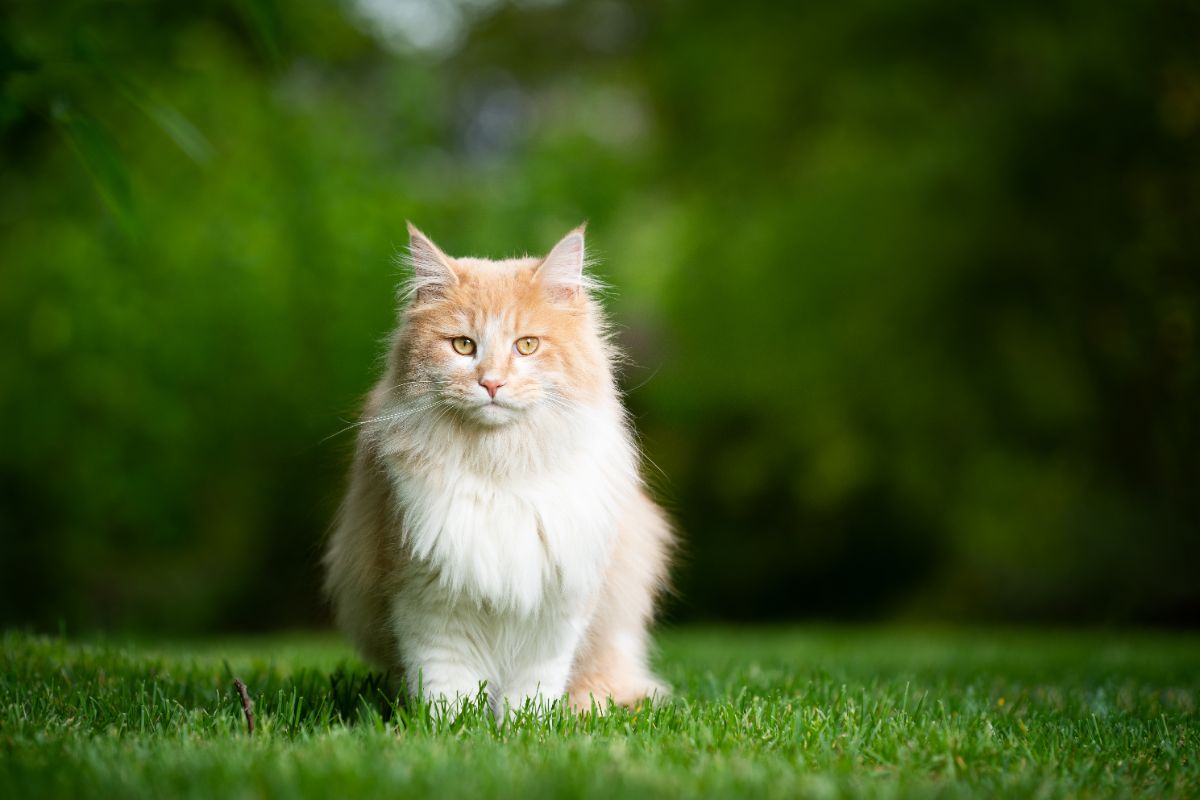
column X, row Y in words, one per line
column 514, row 533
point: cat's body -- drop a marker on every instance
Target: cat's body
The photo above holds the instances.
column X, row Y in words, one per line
column 496, row 528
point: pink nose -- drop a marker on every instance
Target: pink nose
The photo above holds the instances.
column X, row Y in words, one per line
column 492, row 385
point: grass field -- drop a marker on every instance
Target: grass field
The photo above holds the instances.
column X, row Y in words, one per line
column 771, row 712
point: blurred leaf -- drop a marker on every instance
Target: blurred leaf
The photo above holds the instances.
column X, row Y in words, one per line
column 262, row 17
column 178, row 127
column 101, row 158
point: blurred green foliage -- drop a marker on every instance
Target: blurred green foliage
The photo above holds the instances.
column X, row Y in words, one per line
column 911, row 289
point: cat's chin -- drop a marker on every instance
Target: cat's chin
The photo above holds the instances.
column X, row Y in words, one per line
column 492, row 415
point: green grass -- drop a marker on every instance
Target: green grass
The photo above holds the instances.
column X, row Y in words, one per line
column 775, row 712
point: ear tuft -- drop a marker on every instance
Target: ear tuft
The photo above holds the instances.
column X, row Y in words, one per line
column 562, row 270
column 432, row 270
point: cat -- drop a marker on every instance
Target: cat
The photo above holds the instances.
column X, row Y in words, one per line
column 496, row 531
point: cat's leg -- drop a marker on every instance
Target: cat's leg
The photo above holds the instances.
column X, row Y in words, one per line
column 613, row 660
column 616, row 667
column 447, row 684
column 360, row 566
column 538, row 688
column 437, row 650
column 542, row 680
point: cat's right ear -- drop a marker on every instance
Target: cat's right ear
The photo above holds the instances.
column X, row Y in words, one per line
column 432, row 270
column 561, row 272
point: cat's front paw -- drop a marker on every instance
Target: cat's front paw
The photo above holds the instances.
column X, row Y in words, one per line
column 536, row 704
column 587, row 698
column 447, row 706
column 446, row 701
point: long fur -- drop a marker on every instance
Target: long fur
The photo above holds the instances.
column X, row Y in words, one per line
column 511, row 542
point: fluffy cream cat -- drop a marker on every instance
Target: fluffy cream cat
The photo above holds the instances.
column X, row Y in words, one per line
column 496, row 528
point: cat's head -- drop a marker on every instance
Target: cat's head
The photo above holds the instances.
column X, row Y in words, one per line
column 498, row 341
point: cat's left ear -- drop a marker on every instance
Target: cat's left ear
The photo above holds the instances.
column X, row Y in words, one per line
column 433, row 270
column 562, row 271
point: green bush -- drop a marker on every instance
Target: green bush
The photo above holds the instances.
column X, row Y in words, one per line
column 910, row 290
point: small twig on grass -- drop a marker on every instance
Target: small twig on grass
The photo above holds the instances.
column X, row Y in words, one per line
column 247, row 706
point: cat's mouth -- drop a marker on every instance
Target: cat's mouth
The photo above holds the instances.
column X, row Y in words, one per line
column 496, row 412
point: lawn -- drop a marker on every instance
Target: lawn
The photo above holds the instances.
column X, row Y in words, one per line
column 773, row 712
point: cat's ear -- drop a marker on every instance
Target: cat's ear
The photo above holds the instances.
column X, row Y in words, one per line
column 432, row 270
column 561, row 272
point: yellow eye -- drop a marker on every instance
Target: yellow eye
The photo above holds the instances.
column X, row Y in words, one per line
column 527, row 345
column 462, row 345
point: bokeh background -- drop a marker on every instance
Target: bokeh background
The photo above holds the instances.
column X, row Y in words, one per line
column 911, row 290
